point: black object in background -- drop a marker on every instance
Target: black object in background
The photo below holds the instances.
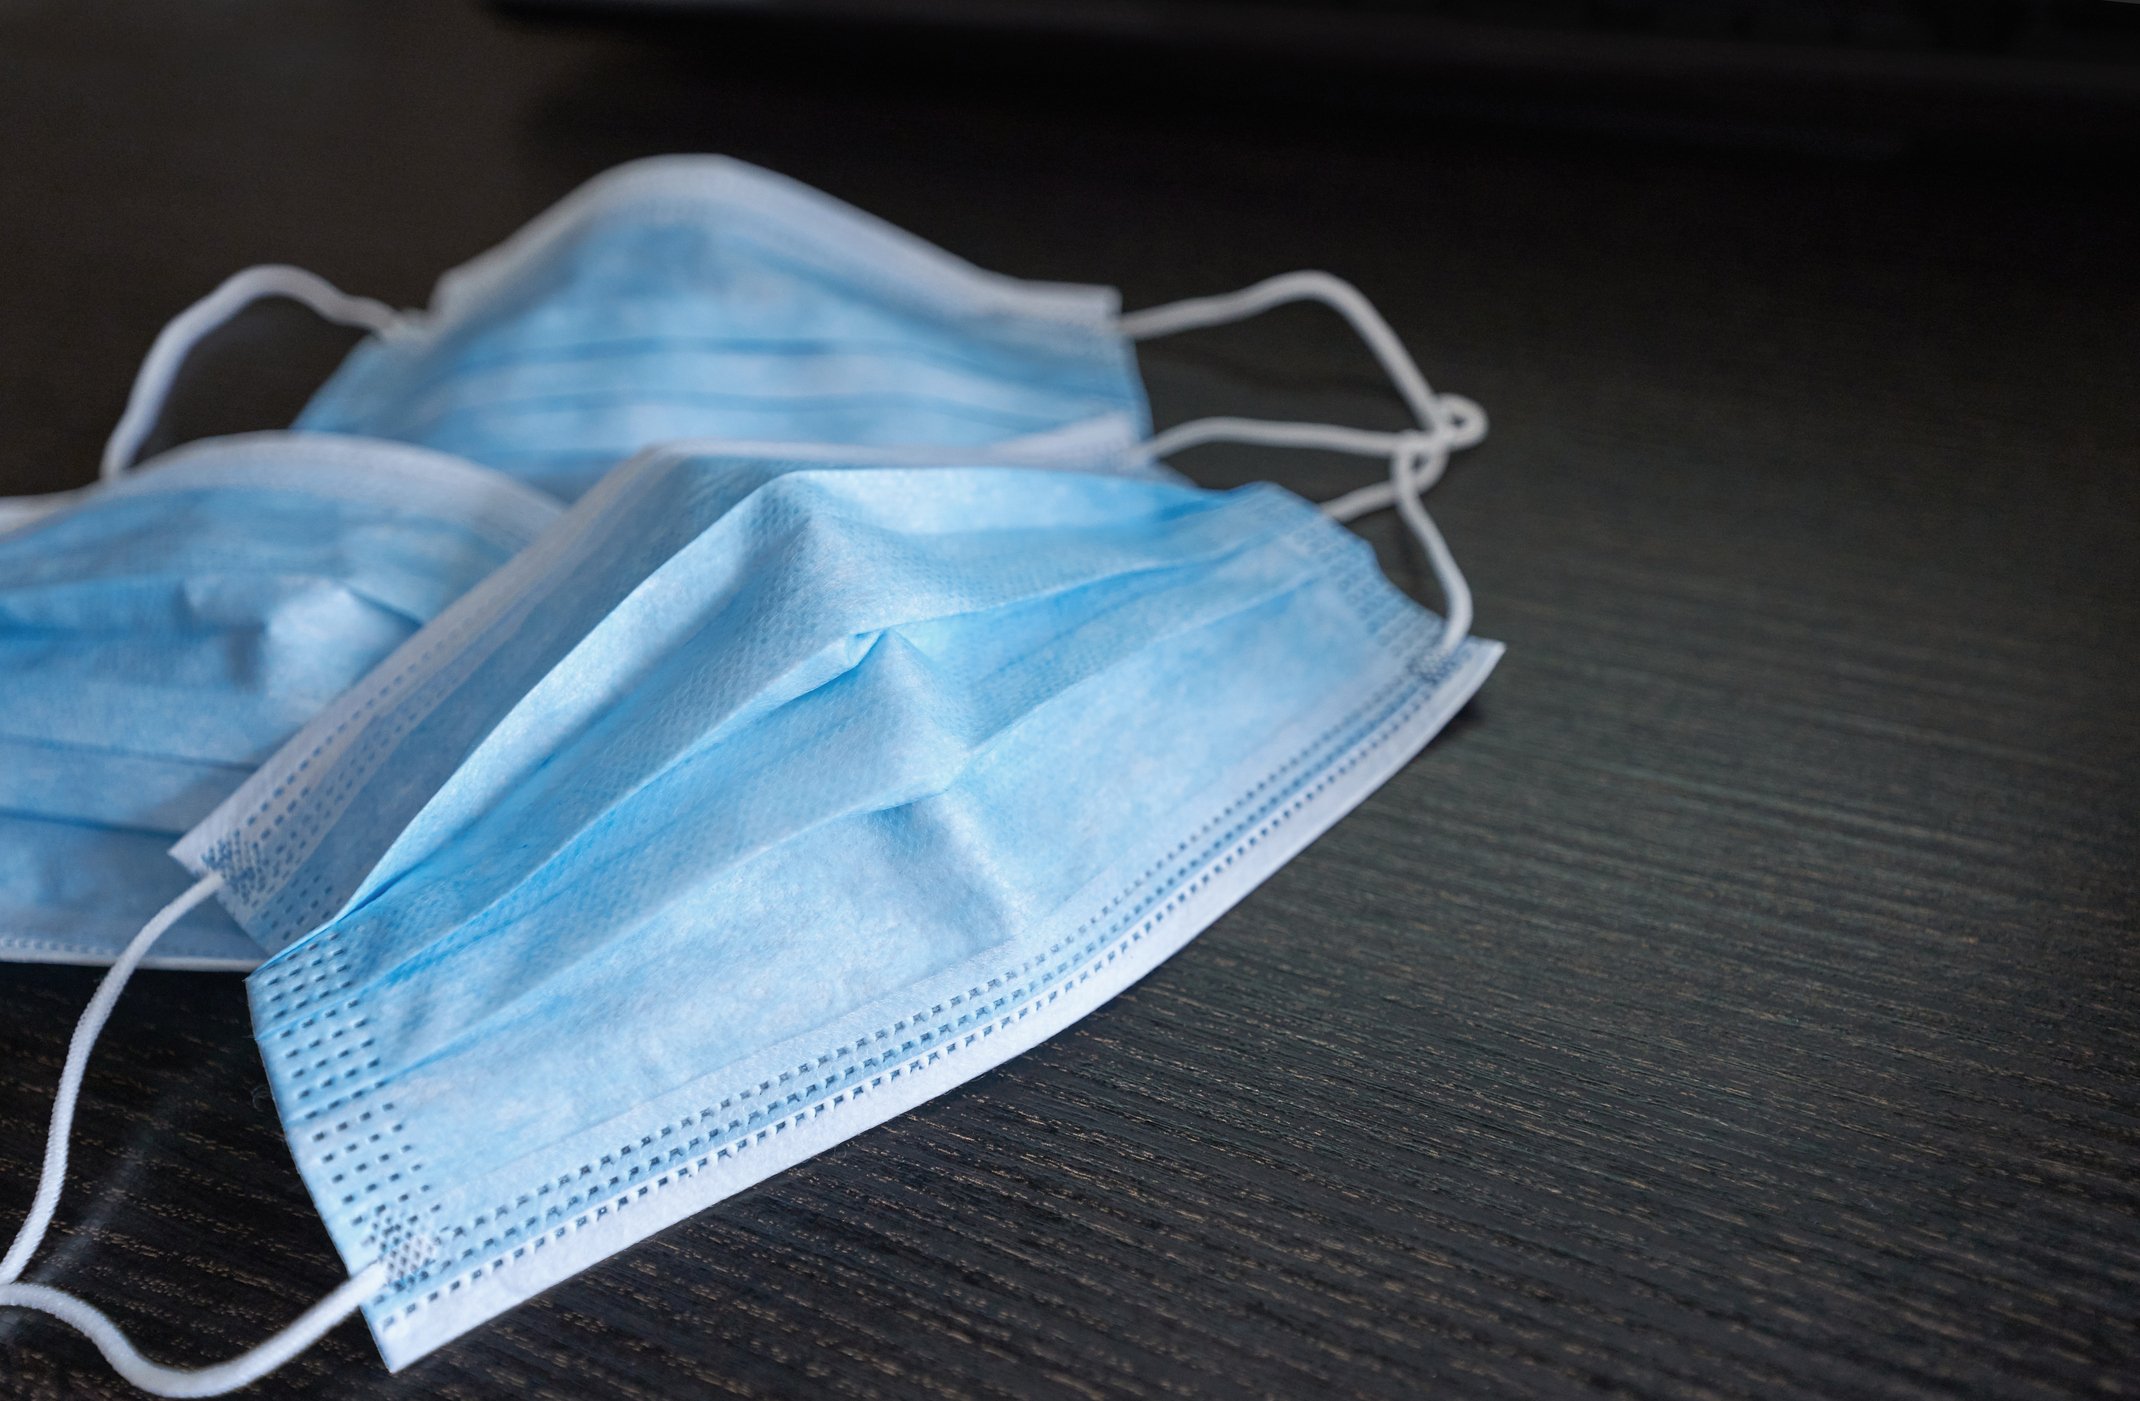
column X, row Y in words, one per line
column 1761, row 72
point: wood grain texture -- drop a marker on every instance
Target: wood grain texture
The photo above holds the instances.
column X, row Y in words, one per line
column 1741, row 999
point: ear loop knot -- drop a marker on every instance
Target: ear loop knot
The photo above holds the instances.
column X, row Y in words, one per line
column 1417, row 456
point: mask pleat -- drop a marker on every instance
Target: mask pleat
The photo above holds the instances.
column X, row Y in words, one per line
column 707, row 304
column 954, row 685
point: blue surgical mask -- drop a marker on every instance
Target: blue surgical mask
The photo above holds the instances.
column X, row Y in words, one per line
column 776, row 789
column 160, row 637
column 699, row 297
column 758, row 801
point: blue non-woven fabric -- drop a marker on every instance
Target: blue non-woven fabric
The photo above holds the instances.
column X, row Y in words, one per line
column 763, row 798
column 689, row 297
column 161, row 636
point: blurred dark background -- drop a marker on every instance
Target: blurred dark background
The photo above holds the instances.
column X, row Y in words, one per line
column 1742, row 999
column 1871, row 75
column 1998, row 137
column 1808, row 138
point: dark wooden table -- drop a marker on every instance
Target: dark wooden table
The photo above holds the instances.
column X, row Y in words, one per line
column 1742, row 998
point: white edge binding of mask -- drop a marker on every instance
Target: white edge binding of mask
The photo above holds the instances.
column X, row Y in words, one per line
column 403, row 476
column 1111, row 439
column 811, row 219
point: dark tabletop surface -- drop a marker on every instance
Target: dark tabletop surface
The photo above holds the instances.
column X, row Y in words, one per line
column 1741, row 998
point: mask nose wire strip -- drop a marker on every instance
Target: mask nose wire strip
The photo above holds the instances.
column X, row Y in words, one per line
column 124, row 1357
column 1417, row 459
column 152, row 383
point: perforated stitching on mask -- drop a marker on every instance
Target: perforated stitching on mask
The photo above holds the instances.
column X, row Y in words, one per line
column 303, row 904
column 616, row 1189
column 370, row 1165
column 312, row 987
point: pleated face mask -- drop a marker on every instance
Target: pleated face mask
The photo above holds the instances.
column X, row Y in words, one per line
column 766, row 799
column 696, row 297
column 161, row 636
column 774, row 790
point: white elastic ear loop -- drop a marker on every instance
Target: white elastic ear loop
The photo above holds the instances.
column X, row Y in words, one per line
column 152, row 384
column 124, row 1357
column 86, row 1031
column 1417, row 459
column 1310, row 285
column 244, row 1369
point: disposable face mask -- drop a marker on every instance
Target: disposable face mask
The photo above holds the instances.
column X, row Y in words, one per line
column 161, row 636
column 774, row 790
column 699, row 297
